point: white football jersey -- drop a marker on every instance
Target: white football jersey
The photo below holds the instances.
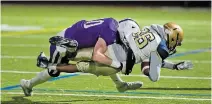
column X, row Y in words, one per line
column 142, row 44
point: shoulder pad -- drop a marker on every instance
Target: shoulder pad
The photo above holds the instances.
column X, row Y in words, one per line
column 163, row 50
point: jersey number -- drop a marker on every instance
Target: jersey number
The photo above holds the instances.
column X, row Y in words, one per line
column 93, row 23
column 143, row 39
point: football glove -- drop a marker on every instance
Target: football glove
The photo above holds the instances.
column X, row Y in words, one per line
column 42, row 61
column 185, row 65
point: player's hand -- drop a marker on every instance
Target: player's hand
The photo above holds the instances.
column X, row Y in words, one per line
column 185, row 65
column 42, row 61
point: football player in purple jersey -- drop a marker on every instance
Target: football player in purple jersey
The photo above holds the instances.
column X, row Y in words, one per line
column 97, row 41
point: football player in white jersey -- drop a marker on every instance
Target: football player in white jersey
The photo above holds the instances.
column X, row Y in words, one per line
column 152, row 46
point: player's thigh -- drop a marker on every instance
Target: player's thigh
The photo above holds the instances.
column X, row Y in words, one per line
column 84, row 54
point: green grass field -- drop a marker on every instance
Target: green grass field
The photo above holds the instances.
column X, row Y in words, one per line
column 19, row 51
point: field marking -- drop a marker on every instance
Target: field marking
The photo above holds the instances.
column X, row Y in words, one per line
column 114, row 96
column 196, row 51
column 131, row 75
column 18, row 57
column 34, row 57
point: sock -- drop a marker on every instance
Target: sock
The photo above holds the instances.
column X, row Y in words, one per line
column 116, row 79
column 40, row 78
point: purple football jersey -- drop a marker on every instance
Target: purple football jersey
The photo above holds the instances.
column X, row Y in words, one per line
column 86, row 33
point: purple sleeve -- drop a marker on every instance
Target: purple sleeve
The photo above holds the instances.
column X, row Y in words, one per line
column 109, row 37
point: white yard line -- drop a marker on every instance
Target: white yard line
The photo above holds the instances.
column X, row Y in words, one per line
column 18, row 57
column 25, row 45
column 45, row 37
column 114, row 96
column 131, row 75
column 34, row 57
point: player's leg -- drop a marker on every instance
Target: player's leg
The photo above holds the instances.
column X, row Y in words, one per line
column 86, row 66
column 56, row 56
column 99, row 69
column 123, row 86
column 117, row 53
column 27, row 85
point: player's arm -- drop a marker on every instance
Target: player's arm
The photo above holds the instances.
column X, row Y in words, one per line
column 155, row 66
column 100, row 57
column 152, row 67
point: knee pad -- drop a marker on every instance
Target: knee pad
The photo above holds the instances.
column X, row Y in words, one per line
column 53, row 73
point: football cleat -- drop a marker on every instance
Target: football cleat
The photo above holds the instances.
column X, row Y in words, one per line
column 42, row 60
column 25, row 87
column 69, row 44
column 129, row 86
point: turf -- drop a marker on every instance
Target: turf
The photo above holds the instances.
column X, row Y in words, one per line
column 19, row 51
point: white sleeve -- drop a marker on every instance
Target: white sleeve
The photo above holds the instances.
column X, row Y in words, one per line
column 168, row 64
column 155, row 66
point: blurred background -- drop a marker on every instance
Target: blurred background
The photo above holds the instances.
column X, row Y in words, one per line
column 181, row 3
column 60, row 14
column 26, row 27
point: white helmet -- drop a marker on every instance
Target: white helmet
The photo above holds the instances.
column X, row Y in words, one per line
column 127, row 27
